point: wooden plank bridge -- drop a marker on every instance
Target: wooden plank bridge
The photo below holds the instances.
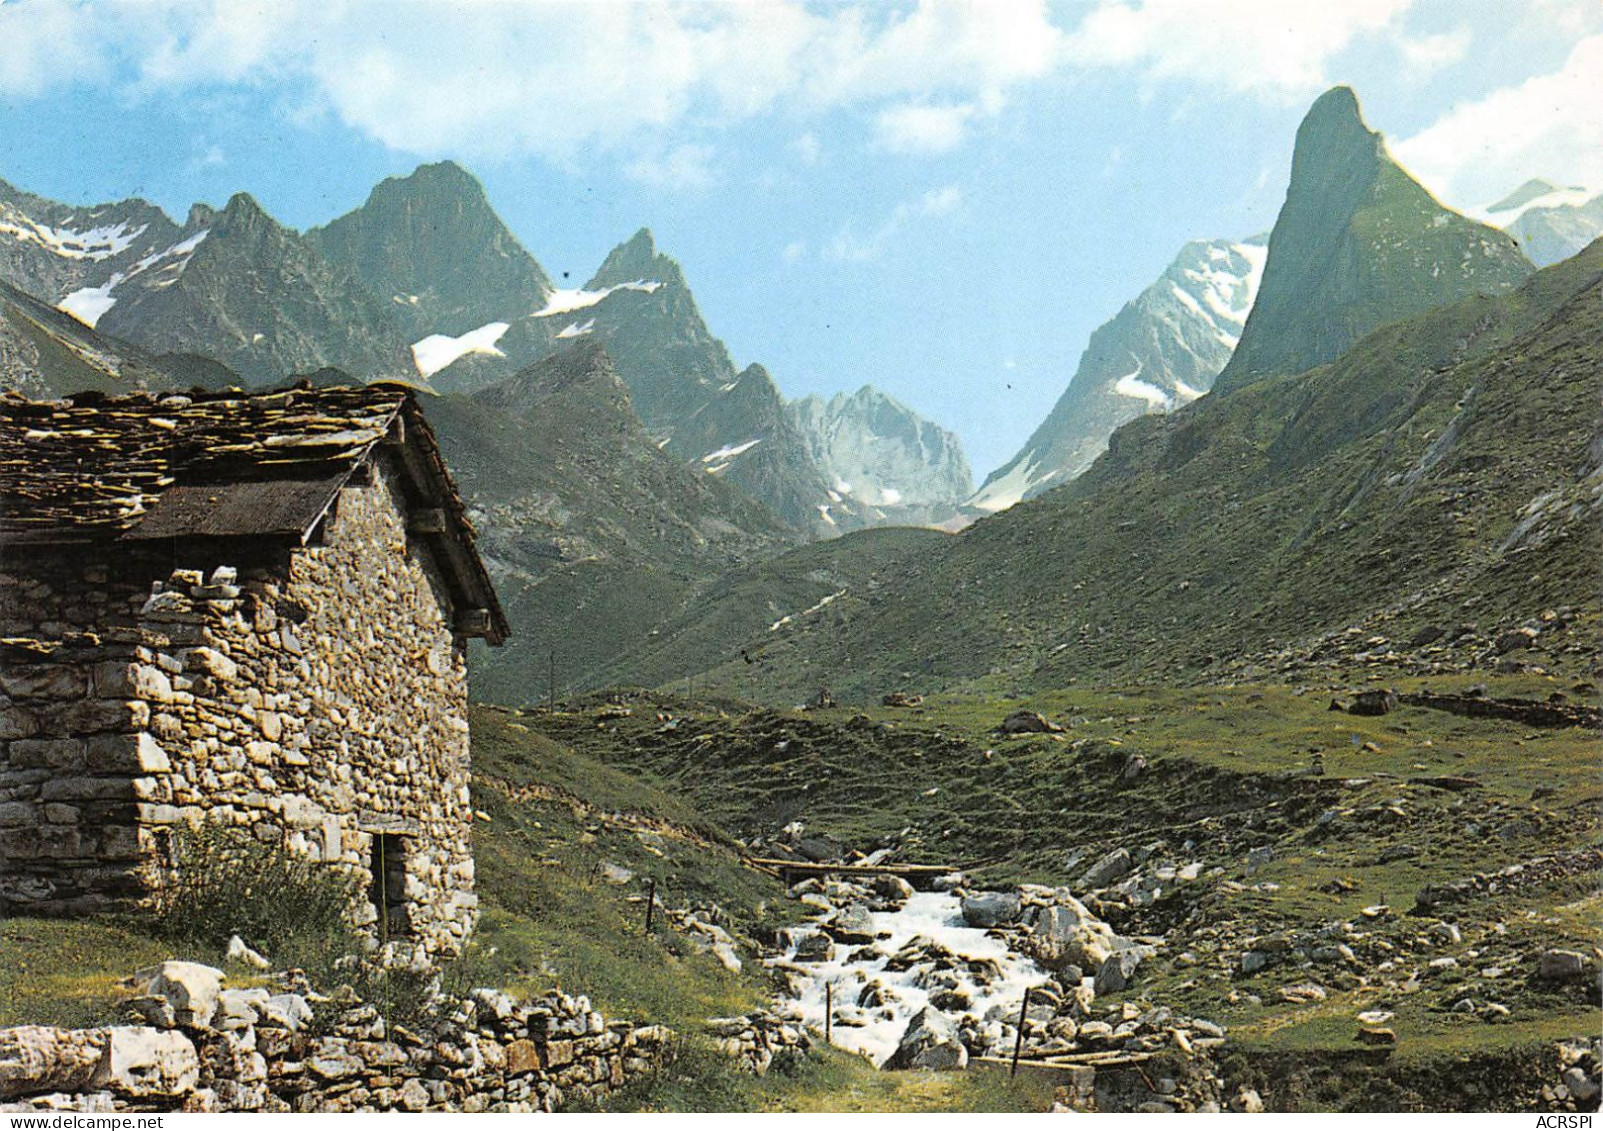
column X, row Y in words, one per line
column 790, row 871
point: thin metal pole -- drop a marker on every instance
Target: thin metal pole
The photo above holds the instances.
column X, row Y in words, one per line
column 651, row 904
column 1018, row 1044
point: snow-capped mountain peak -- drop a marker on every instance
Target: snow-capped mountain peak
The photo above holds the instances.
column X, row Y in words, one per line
column 1160, row 352
column 1548, row 222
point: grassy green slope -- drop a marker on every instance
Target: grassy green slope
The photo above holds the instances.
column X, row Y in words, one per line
column 735, row 617
column 1440, row 469
column 46, row 353
column 1358, row 244
column 1223, row 771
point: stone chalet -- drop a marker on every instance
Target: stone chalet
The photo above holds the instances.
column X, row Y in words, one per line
column 236, row 607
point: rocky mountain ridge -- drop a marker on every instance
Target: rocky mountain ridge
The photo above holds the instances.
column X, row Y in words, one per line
column 1160, row 352
column 424, row 283
column 1357, row 244
column 882, row 455
column 1445, row 459
column 1548, row 222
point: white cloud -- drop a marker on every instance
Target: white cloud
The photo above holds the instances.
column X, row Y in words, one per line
column 1547, row 126
column 915, row 128
column 794, row 251
column 848, row 246
column 563, row 78
column 43, row 47
column 682, row 167
column 1427, row 54
column 1256, row 46
column 491, row 79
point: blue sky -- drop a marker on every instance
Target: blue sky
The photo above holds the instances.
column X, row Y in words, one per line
column 940, row 199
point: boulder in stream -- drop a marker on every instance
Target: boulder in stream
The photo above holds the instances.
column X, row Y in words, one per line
column 929, row 1041
column 1065, row 933
column 853, row 925
column 990, row 908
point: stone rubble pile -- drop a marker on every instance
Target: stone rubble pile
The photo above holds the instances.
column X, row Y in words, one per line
column 204, row 1048
column 760, row 1041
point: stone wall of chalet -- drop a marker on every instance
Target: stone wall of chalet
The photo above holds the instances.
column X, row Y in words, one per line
column 318, row 696
column 72, row 754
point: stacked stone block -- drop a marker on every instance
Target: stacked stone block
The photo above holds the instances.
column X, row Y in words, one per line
column 317, row 696
column 204, row 1048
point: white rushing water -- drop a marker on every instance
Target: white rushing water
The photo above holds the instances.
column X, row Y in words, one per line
column 995, row 989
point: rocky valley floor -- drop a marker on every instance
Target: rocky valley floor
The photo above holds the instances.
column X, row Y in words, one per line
column 1230, row 895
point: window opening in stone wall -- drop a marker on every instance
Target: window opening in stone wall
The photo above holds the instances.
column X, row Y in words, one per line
column 166, row 851
column 389, row 886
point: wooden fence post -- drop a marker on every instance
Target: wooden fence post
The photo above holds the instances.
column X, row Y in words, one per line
column 1018, row 1044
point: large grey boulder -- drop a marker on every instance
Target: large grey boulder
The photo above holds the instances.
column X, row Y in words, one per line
column 1065, row 933
column 990, row 908
column 854, row 926
column 37, row 1058
column 1561, row 965
column 815, row 948
column 143, row 1062
column 1116, row 971
column 929, row 1041
column 188, row 987
column 1109, row 870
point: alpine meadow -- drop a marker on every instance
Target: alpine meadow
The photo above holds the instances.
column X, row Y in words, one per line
column 435, row 678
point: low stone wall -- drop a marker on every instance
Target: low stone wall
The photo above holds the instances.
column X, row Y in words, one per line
column 760, row 1041
column 206, row 1049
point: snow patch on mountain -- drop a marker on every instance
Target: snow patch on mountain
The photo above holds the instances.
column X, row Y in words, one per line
column 1131, row 385
column 94, row 243
column 567, row 301
column 718, row 462
column 575, row 330
column 1178, row 334
column 1006, row 490
column 90, row 304
column 436, row 351
column 1549, row 223
column 1531, row 196
column 879, row 453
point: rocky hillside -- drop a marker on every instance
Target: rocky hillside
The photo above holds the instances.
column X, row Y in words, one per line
column 736, row 615
column 1442, row 473
column 46, row 353
column 592, row 533
column 431, row 245
column 56, row 250
column 684, row 385
column 425, row 283
column 882, row 455
column 1161, row 351
column 1358, row 243
column 255, row 296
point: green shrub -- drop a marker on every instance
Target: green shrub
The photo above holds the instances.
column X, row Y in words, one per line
column 226, row 881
